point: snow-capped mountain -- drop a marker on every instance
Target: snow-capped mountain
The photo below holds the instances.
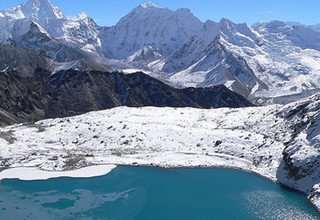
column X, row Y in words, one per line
column 148, row 25
column 287, row 59
column 267, row 60
column 40, row 10
column 182, row 49
column 39, row 39
column 212, row 60
column 79, row 32
column 263, row 62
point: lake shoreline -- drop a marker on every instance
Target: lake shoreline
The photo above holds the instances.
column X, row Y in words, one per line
column 170, row 137
column 215, row 191
column 110, row 167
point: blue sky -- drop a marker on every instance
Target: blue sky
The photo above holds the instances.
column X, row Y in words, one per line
column 108, row 12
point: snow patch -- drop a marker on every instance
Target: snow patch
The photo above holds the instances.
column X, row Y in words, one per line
column 32, row 173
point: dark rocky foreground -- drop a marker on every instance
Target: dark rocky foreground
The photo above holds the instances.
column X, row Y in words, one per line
column 25, row 98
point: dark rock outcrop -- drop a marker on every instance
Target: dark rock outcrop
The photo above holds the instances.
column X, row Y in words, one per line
column 17, row 58
column 70, row 92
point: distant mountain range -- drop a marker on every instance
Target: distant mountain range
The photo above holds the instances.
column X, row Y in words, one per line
column 263, row 62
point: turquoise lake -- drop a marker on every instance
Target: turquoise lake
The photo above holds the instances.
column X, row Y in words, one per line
column 153, row 193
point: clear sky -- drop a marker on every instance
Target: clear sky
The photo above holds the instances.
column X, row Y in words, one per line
column 108, row 12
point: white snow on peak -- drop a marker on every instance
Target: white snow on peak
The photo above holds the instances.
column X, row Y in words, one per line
column 156, row 26
column 81, row 16
column 40, row 10
column 148, row 5
column 79, row 32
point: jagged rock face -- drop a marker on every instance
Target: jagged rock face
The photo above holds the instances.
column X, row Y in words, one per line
column 38, row 40
column 24, row 61
column 22, row 98
column 302, row 156
column 41, row 54
column 144, row 56
column 67, row 93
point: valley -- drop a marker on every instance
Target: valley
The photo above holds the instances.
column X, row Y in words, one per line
column 159, row 88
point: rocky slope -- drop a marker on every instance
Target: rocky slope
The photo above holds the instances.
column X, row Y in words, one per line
column 16, row 58
column 38, row 40
column 43, row 95
column 301, row 164
column 279, row 142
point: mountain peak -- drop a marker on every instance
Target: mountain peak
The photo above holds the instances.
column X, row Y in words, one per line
column 225, row 21
column 41, row 10
column 185, row 11
column 37, row 2
column 82, row 15
column 144, row 8
column 147, row 5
